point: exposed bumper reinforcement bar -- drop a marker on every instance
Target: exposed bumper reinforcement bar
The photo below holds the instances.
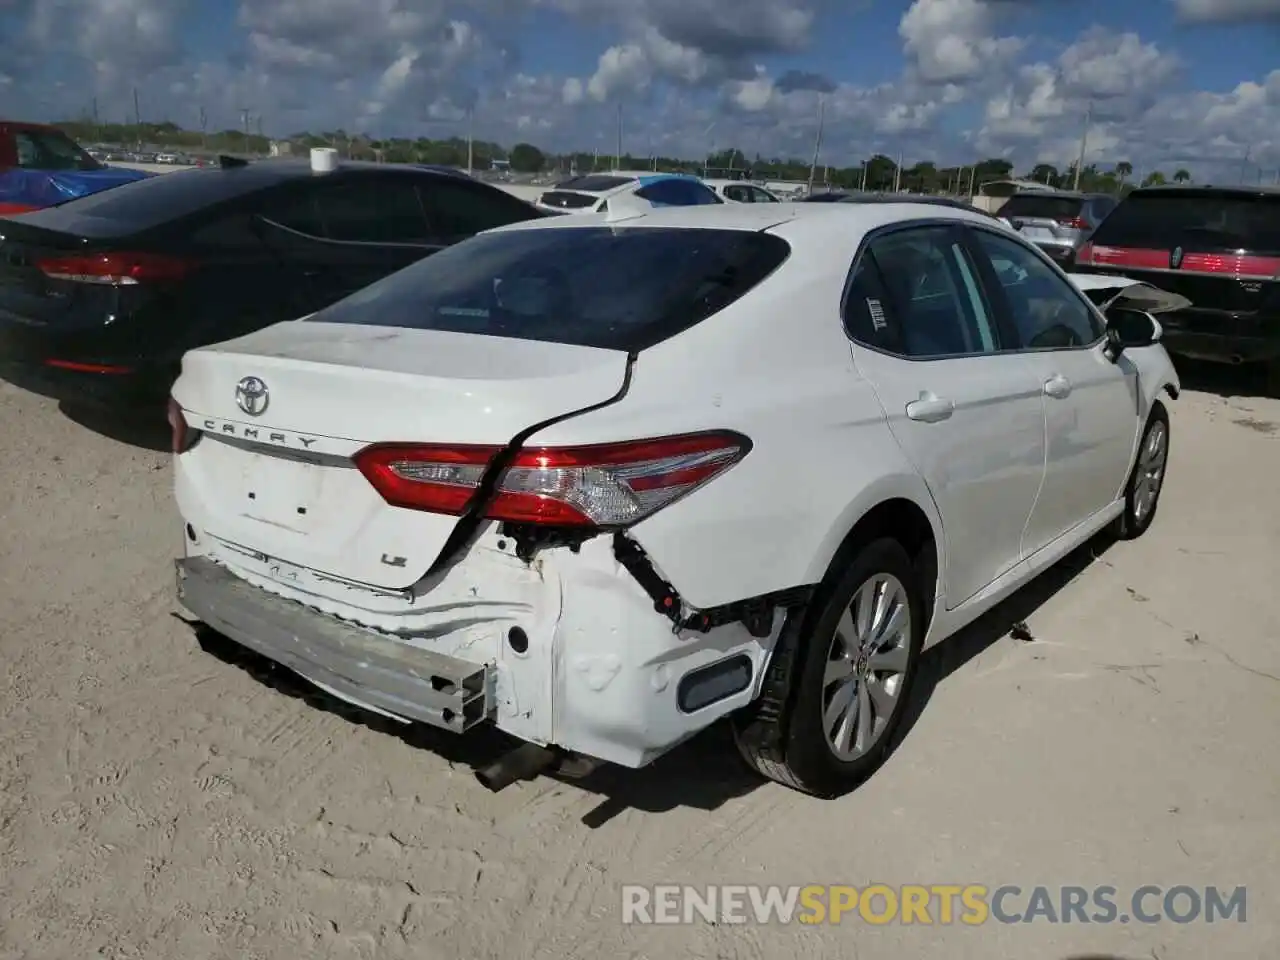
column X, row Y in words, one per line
column 369, row 668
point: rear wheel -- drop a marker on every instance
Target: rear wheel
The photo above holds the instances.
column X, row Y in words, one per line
column 851, row 661
column 1142, row 492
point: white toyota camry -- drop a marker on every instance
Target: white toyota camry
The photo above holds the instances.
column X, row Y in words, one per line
column 603, row 480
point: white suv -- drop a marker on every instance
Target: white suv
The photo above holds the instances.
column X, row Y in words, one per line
column 603, row 480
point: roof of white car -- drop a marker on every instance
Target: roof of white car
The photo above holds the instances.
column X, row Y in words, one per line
column 788, row 220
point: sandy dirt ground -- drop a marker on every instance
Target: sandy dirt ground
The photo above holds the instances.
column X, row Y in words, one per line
column 159, row 799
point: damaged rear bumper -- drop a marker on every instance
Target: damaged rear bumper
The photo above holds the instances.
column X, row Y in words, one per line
column 350, row 661
column 566, row 652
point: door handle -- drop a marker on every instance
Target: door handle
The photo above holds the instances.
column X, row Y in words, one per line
column 930, row 408
column 1058, row 387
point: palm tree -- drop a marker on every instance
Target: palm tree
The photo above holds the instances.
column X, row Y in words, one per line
column 1124, row 170
column 1182, row 176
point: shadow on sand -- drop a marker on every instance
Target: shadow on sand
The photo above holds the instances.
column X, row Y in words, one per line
column 1224, row 379
column 143, row 428
column 704, row 773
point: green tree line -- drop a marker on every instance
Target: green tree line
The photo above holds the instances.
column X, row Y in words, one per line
column 878, row 172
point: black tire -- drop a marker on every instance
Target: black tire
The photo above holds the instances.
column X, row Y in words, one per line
column 1132, row 523
column 781, row 735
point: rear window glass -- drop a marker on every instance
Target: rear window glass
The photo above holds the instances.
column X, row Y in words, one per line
column 616, row 288
column 148, row 203
column 1050, row 208
column 599, row 183
column 1195, row 221
column 569, row 200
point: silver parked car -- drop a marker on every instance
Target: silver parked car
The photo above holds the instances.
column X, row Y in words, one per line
column 1058, row 221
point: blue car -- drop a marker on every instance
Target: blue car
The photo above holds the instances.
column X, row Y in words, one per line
column 592, row 192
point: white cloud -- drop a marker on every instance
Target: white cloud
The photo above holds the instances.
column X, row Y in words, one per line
column 953, row 41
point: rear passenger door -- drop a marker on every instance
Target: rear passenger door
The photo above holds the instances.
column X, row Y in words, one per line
column 343, row 235
column 969, row 417
column 1091, row 404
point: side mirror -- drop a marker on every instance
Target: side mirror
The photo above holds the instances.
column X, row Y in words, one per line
column 1127, row 328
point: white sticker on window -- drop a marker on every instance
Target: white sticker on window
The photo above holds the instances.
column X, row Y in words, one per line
column 878, row 320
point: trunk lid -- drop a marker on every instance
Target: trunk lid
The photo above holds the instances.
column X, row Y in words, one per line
column 30, row 297
column 281, row 484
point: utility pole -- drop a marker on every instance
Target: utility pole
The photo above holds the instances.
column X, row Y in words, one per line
column 97, row 127
column 617, row 151
column 817, row 140
column 204, row 128
column 244, row 125
column 1245, row 162
column 137, row 118
column 1084, row 141
column 897, row 174
column 471, row 115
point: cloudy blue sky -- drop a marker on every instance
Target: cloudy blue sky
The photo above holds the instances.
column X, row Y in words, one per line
column 1192, row 83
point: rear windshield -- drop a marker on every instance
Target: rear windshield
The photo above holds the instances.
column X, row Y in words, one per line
column 1194, row 221
column 143, row 204
column 623, row 288
column 1050, row 208
column 598, row 183
column 568, row 199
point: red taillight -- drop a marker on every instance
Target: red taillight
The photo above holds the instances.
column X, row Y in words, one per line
column 1085, row 253
column 81, row 367
column 603, row 485
column 1077, row 223
column 179, row 432
column 116, row 269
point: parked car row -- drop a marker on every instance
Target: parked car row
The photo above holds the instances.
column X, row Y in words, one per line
column 601, row 480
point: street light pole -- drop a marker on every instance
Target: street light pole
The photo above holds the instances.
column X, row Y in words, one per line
column 471, row 113
column 1084, row 141
column 817, row 141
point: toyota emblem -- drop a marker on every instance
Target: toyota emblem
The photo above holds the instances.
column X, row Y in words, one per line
column 1175, row 258
column 252, row 396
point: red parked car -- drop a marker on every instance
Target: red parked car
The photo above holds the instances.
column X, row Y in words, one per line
column 41, row 166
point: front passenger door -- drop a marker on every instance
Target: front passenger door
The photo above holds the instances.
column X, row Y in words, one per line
column 1091, row 403
column 969, row 417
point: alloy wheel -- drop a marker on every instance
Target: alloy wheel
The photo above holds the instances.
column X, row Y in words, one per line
column 866, row 666
column 1151, row 464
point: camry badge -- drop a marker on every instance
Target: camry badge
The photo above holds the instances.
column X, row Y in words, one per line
column 252, row 396
column 1175, row 258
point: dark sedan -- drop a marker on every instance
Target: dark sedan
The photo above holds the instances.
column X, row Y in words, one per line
column 101, row 296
